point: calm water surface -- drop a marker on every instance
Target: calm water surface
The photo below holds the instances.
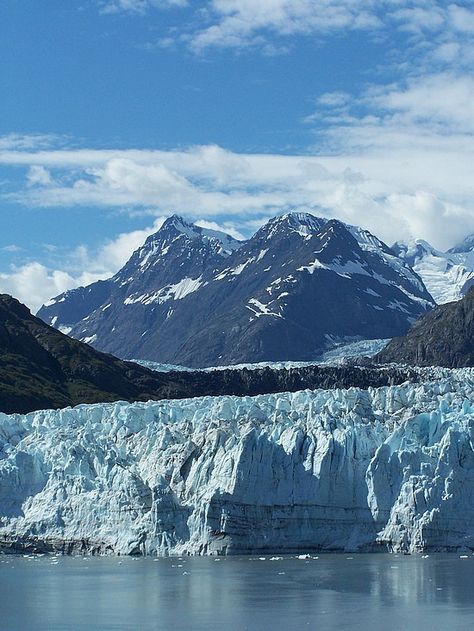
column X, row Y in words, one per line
column 368, row 592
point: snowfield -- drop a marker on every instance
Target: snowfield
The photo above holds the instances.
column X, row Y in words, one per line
column 389, row 468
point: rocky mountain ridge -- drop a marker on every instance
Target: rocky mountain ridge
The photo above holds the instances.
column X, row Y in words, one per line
column 40, row 367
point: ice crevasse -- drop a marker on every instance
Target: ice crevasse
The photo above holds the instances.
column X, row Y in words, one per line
column 388, row 468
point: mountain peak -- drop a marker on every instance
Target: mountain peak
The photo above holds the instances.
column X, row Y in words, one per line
column 176, row 226
column 301, row 223
column 180, row 224
column 13, row 305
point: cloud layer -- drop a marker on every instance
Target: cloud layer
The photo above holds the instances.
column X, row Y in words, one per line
column 389, row 173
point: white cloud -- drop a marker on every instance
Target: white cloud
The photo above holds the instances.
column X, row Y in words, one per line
column 137, row 6
column 419, row 19
column 237, row 23
column 114, row 253
column 393, row 173
column 462, row 19
column 380, row 168
column 38, row 175
column 407, row 145
column 228, row 227
column 33, row 283
column 241, row 23
column 21, row 142
column 245, row 23
column 444, row 99
column 415, row 32
column 426, row 214
column 334, row 99
column 11, row 248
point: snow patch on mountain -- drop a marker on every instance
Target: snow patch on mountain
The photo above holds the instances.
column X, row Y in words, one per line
column 178, row 291
column 260, row 309
column 300, row 223
column 223, row 243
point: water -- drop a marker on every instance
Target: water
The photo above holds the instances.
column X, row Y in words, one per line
column 368, row 592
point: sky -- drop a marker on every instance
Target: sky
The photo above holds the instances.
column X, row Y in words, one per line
column 117, row 113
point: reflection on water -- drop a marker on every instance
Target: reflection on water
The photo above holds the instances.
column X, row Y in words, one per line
column 330, row 592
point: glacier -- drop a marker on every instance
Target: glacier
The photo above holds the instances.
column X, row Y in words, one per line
column 446, row 275
column 380, row 469
column 338, row 352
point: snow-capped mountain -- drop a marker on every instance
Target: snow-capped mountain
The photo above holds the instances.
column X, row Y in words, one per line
column 447, row 275
column 194, row 297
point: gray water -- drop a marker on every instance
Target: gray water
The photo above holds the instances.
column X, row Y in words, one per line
column 368, row 592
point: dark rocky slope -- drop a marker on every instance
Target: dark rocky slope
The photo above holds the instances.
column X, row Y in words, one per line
column 42, row 368
column 443, row 337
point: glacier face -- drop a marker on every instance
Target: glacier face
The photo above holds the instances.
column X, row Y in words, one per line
column 343, row 469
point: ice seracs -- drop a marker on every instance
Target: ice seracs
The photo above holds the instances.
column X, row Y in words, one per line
column 332, row 470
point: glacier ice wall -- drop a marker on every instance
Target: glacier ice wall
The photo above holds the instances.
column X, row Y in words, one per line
column 335, row 470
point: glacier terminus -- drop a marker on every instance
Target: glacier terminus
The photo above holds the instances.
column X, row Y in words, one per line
column 390, row 468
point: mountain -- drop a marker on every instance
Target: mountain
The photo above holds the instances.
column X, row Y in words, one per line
column 443, row 337
column 299, row 285
column 447, row 275
column 41, row 367
column 465, row 247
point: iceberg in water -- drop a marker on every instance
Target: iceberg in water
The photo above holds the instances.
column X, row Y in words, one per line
column 389, row 468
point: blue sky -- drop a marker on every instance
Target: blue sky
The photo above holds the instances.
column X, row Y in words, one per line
column 114, row 114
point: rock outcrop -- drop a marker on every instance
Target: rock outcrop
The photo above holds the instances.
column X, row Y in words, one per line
column 443, row 337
